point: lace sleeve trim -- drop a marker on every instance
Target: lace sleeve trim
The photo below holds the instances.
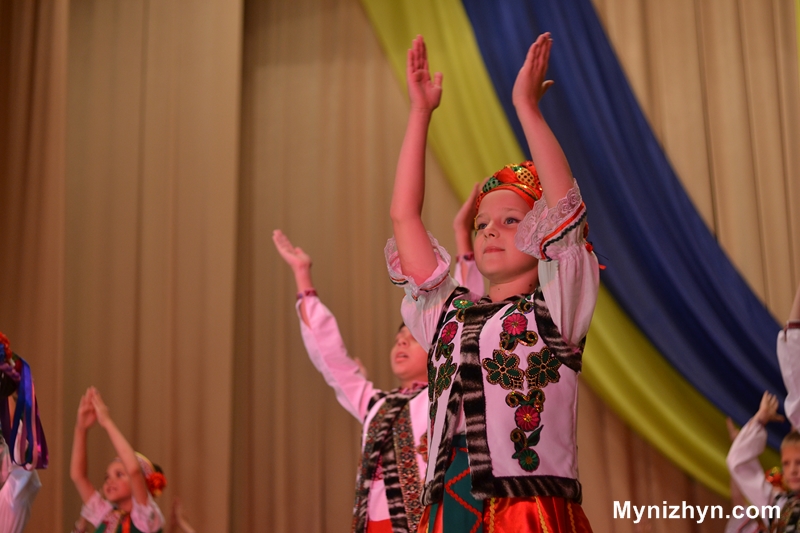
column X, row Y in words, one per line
column 407, row 282
column 544, row 226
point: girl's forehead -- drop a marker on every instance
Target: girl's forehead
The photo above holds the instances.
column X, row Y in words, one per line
column 115, row 464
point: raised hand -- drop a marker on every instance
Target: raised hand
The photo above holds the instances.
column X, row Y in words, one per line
column 768, row 410
column 100, row 408
column 425, row 93
column 86, row 413
column 531, row 84
column 294, row 256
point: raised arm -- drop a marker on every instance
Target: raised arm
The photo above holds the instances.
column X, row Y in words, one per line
column 123, row 448
column 546, row 153
column 300, row 263
column 417, row 258
column 321, row 335
column 742, row 458
column 77, row 465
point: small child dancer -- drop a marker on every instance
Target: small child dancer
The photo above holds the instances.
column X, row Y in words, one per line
column 394, row 440
column 751, row 441
column 131, row 481
column 19, row 483
column 502, row 370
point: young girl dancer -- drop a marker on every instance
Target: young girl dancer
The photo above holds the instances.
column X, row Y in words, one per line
column 394, row 440
column 502, row 370
column 131, row 480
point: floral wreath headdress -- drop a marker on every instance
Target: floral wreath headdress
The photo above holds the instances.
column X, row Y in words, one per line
column 24, row 434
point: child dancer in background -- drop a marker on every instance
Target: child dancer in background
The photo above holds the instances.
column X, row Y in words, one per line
column 18, row 485
column 131, row 480
column 503, row 369
column 394, row 441
column 743, row 462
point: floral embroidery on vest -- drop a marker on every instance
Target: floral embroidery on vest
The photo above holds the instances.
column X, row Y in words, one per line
column 440, row 379
column 503, row 369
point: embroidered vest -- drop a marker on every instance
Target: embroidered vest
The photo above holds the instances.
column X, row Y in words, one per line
column 509, row 360
column 789, row 521
column 389, row 445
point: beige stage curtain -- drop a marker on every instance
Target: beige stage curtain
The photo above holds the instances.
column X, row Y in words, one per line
column 148, row 150
column 118, row 179
column 718, row 80
column 33, row 111
column 152, row 166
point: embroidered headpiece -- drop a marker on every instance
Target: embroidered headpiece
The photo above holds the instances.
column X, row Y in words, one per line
column 521, row 179
column 156, row 481
column 23, row 433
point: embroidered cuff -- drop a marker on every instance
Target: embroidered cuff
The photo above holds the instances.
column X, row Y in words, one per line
column 306, row 293
column 407, row 282
column 545, row 232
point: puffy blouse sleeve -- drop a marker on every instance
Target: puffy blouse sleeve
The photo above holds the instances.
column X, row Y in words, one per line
column 423, row 303
column 147, row 517
column 744, row 466
column 96, row 509
column 329, row 355
column 568, row 269
column 789, row 359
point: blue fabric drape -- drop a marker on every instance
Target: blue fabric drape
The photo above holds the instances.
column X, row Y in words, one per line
column 665, row 268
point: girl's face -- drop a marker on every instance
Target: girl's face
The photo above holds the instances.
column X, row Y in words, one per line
column 117, row 484
column 496, row 255
column 790, row 464
column 409, row 359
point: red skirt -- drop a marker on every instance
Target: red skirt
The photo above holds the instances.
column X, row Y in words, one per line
column 539, row 514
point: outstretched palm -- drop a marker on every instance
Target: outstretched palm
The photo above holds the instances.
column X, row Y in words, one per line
column 531, row 84
column 295, row 257
column 425, row 93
